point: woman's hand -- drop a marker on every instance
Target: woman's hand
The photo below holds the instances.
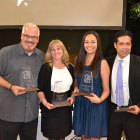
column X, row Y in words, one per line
column 47, row 104
column 75, row 91
column 94, row 98
column 43, row 99
column 71, row 100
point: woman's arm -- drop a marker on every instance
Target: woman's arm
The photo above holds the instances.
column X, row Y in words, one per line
column 105, row 72
column 43, row 100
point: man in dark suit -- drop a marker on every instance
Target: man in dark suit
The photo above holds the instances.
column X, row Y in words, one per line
column 126, row 116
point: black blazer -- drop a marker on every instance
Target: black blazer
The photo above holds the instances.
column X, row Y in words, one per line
column 134, row 77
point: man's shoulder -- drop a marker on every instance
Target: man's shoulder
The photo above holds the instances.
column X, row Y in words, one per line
column 135, row 58
column 9, row 48
column 40, row 53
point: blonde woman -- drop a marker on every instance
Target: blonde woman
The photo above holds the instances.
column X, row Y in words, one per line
column 56, row 123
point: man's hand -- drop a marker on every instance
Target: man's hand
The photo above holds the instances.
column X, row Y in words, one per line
column 134, row 109
column 17, row 90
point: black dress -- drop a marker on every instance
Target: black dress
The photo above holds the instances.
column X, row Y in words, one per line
column 55, row 123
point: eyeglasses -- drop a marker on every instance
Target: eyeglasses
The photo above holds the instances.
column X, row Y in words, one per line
column 32, row 37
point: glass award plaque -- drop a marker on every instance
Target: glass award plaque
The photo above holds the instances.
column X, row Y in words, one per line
column 27, row 81
column 86, row 88
column 59, row 98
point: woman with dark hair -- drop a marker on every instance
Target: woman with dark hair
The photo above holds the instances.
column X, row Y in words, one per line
column 92, row 77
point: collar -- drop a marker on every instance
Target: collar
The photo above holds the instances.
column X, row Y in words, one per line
column 22, row 51
column 126, row 59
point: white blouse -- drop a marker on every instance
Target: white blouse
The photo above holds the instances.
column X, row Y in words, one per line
column 61, row 80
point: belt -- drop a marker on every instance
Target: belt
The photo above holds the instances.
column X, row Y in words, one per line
column 114, row 106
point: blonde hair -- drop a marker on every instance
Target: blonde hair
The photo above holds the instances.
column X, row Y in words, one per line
column 48, row 56
column 33, row 25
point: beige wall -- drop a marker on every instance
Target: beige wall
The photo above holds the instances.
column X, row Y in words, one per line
column 62, row 12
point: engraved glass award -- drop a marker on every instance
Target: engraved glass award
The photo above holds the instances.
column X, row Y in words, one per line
column 26, row 79
column 59, row 98
column 86, row 86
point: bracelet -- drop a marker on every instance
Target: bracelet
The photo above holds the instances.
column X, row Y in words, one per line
column 10, row 87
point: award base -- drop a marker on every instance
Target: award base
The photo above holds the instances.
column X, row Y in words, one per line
column 60, row 99
column 61, row 104
column 123, row 109
column 28, row 90
column 83, row 94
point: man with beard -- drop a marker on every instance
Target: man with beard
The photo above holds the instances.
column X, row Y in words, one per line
column 19, row 67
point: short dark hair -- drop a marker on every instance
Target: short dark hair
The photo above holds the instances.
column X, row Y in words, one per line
column 122, row 33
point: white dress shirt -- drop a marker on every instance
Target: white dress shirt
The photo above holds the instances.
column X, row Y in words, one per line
column 125, row 67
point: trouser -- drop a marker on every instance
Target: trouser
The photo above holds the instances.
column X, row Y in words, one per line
column 26, row 131
column 127, row 122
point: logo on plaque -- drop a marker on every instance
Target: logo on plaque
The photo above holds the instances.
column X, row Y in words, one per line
column 27, row 81
column 86, row 85
column 59, row 98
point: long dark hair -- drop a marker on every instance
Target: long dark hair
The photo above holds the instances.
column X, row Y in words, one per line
column 80, row 60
